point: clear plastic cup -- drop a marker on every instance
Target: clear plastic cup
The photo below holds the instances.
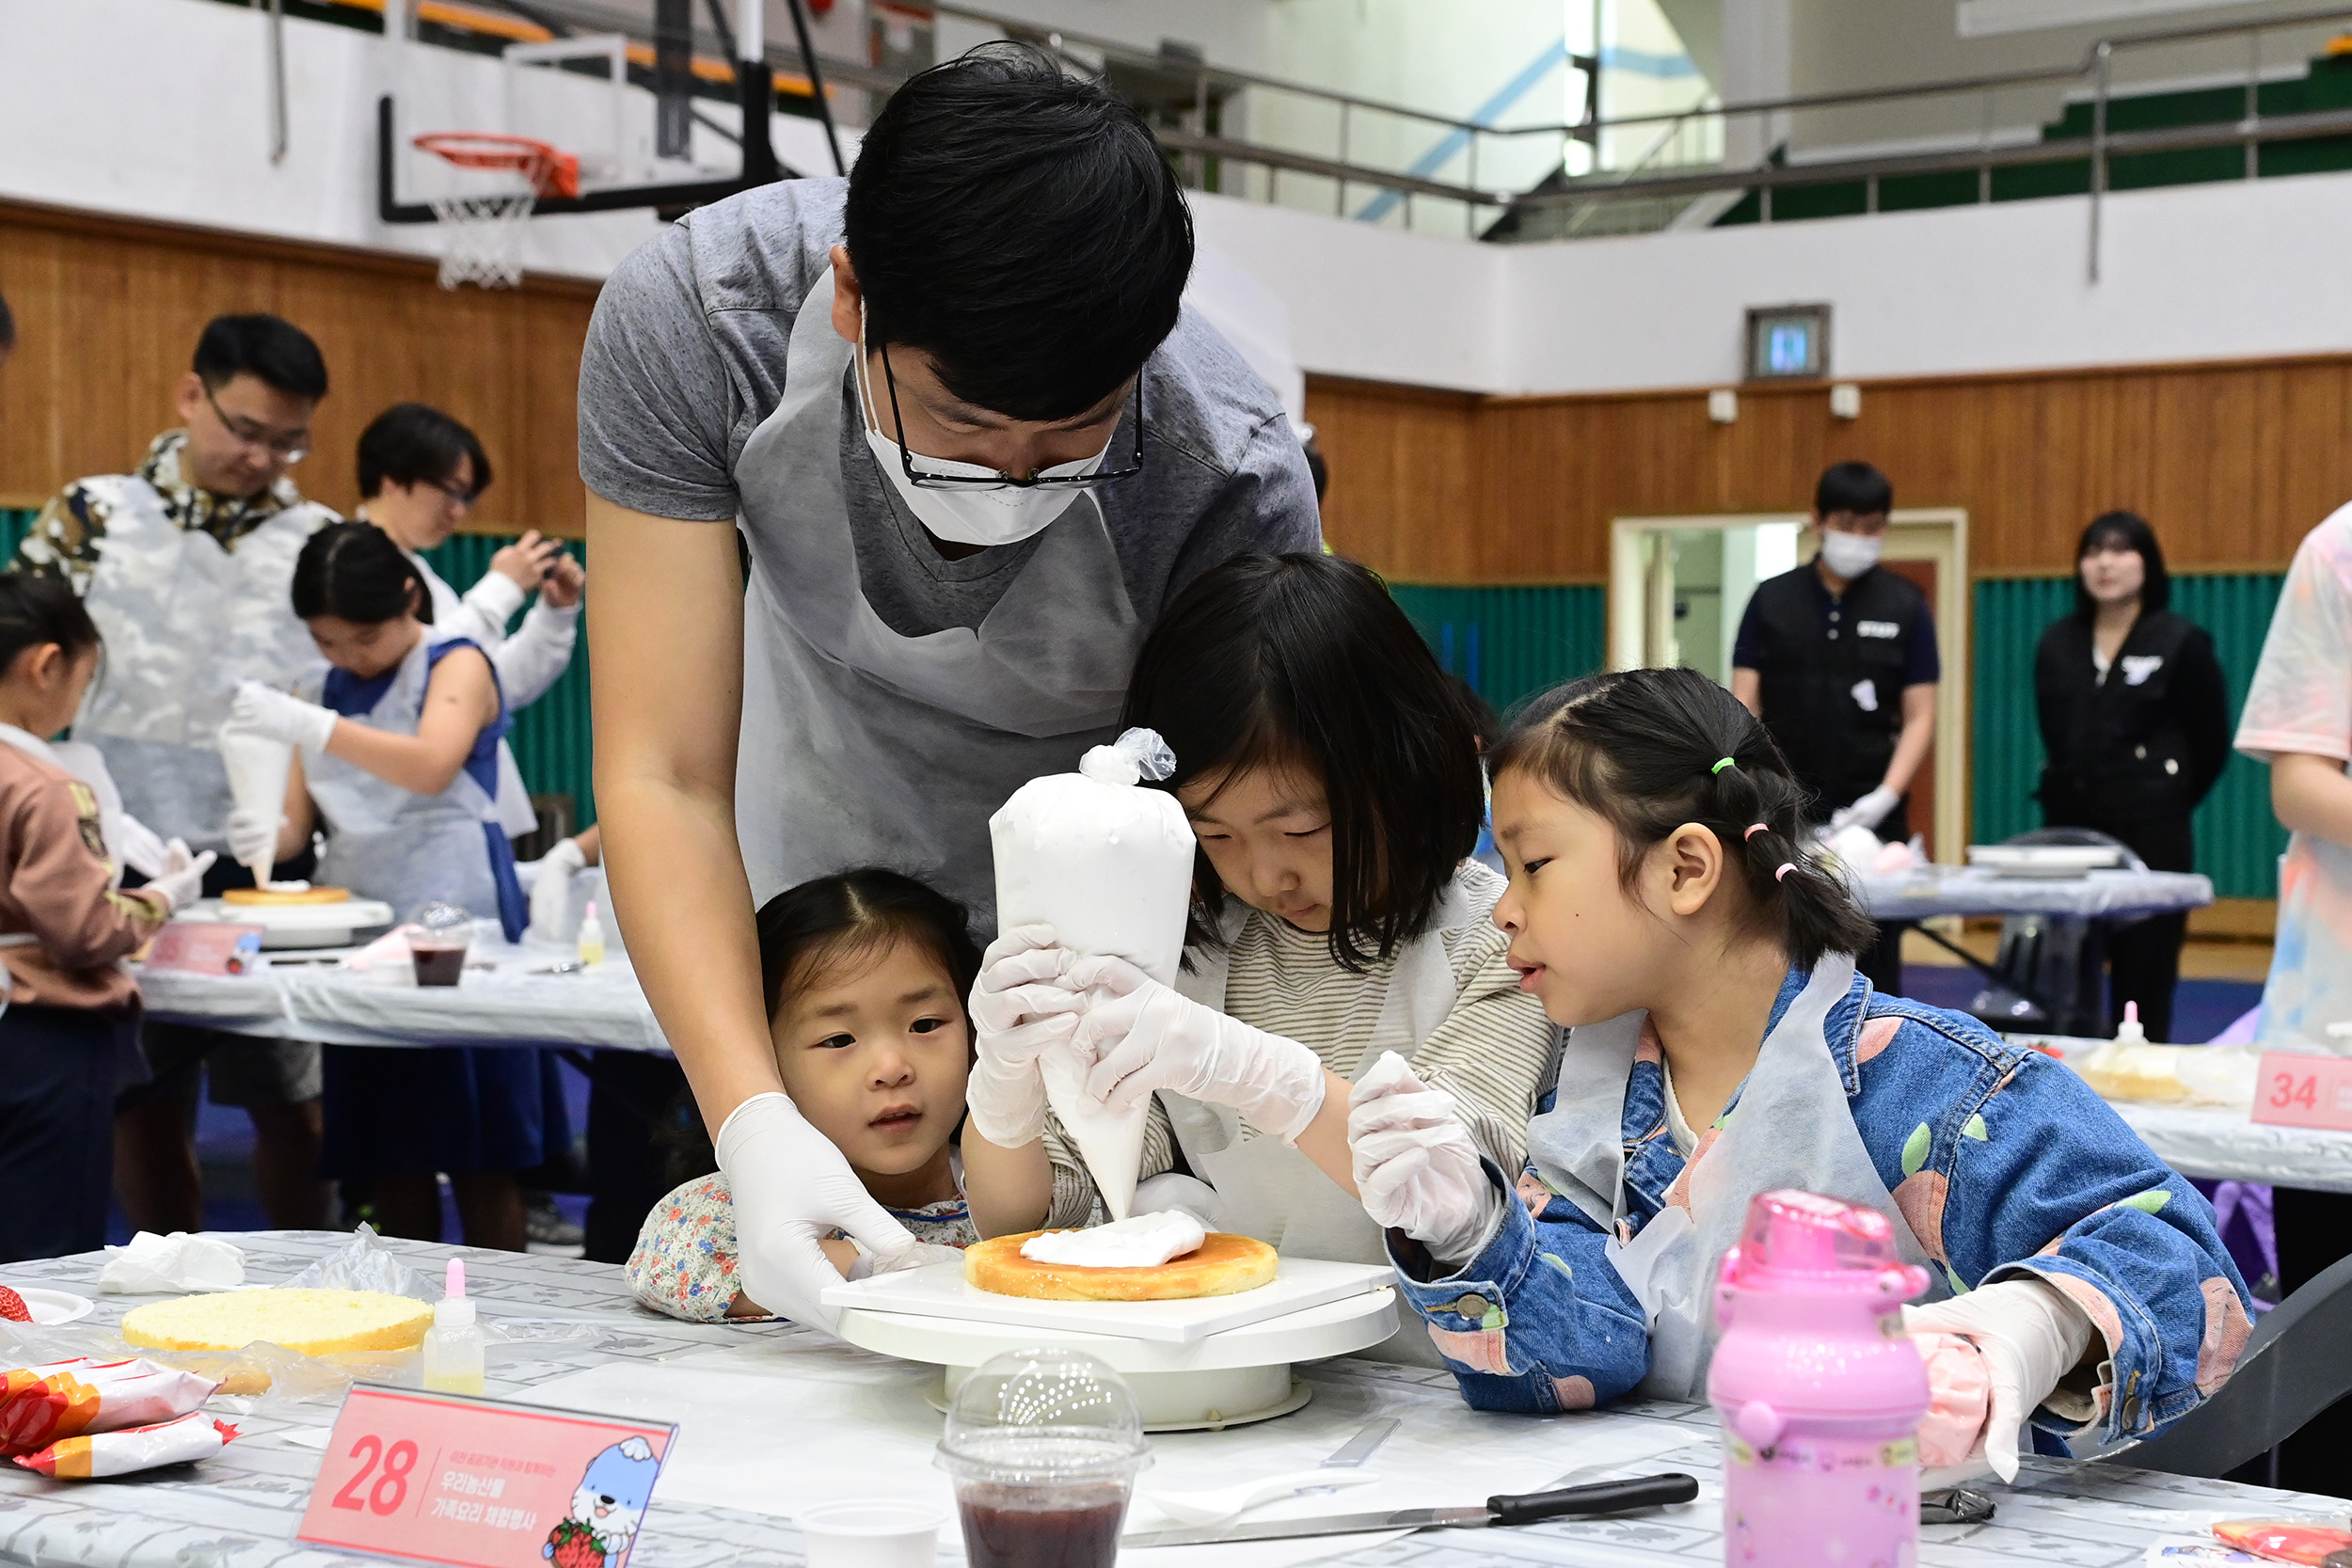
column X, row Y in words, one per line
column 438, row 938
column 1043, row 1446
column 870, row 1533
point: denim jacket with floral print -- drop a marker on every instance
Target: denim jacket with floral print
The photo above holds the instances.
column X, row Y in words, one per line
column 2002, row 1161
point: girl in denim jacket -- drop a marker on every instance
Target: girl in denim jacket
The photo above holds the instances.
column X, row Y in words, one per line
column 1663, row 906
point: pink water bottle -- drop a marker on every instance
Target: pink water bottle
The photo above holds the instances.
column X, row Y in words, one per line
column 1819, row 1389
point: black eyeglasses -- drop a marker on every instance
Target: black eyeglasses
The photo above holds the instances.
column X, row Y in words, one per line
column 463, row 495
column 923, row 479
column 286, row 449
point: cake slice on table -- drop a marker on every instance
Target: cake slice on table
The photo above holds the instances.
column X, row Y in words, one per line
column 310, row 1322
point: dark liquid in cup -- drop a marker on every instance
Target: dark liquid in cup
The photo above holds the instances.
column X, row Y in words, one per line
column 1010, row 1526
column 437, row 966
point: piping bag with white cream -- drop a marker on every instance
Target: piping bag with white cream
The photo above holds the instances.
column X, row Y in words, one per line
column 258, row 770
column 1108, row 865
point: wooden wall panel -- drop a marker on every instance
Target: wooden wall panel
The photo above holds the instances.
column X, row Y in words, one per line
column 107, row 316
column 2233, row 464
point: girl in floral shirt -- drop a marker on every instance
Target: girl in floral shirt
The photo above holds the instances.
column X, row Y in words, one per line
column 1663, row 905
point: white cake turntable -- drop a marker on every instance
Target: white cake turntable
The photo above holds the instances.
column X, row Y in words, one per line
column 296, row 926
column 1210, row 1362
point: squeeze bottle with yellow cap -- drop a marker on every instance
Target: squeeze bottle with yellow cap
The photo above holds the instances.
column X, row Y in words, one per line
column 453, row 1346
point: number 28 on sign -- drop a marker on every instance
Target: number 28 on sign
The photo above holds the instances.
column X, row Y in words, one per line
column 480, row 1483
column 2304, row 1091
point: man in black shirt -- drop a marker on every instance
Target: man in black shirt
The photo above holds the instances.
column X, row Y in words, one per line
column 1839, row 658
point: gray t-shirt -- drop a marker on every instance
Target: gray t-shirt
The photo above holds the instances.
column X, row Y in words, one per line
column 686, row 357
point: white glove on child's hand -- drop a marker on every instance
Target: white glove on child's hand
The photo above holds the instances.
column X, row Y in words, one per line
column 253, row 836
column 1868, row 812
column 1019, row 1008
column 2031, row 1336
column 1141, row 1035
column 259, row 711
column 1417, row 1168
column 552, row 894
column 790, row 1189
column 183, row 879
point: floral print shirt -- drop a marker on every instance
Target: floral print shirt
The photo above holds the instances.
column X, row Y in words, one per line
column 2001, row 1161
column 684, row 1261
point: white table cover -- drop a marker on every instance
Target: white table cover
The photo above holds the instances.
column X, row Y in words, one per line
column 758, row 1405
column 1972, row 890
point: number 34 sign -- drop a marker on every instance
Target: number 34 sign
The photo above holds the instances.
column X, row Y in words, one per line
column 480, row 1483
column 2304, row 1091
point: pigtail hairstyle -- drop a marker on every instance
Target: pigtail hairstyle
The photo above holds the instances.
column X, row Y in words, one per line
column 36, row 610
column 1648, row 750
column 1305, row 661
column 355, row 572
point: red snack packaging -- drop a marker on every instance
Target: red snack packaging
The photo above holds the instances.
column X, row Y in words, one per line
column 65, row 1398
column 118, row 1453
column 13, row 1307
column 2283, row 1539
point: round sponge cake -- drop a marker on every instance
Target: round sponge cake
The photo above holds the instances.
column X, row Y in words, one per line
column 281, row 896
column 314, row 1322
column 1223, row 1265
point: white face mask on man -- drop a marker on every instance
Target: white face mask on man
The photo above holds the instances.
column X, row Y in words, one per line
column 999, row 515
column 1850, row 554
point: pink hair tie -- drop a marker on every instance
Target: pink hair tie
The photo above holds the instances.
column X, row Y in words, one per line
column 1759, row 827
column 1786, row 867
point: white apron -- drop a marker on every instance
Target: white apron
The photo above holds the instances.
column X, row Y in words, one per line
column 864, row 746
column 1270, row 1190
column 2309, row 986
column 389, row 843
column 183, row 621
column 1792, row 1127
column 515, row 813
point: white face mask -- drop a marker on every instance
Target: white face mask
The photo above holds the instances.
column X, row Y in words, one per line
column 1005, row 515
column 1850, row 554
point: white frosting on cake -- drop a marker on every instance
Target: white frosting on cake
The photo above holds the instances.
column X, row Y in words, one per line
column 1142, row 1242
column 1108, row 865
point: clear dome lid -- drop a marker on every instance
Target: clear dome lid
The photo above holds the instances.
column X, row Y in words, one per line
column 444, row 920
column 1044, row 1416
column 1792, row 1232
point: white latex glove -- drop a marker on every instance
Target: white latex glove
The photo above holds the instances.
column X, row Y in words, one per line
column 1019, row 1007
column 253, row 836
column 141, row 848
column 1174, row 1192
column 262, row 711
column 792, row 1188
column 1140, row 1036
column 183, row 881
column 1868, row 812
column 2031, row 1335
column 1417, row 1168
column 552, row 894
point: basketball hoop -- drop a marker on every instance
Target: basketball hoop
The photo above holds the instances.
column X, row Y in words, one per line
column 485, row 230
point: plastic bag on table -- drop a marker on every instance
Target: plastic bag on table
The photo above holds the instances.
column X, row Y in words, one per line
column 365, row 1264
column 2303, row 1541
column 65, row 1398
column 182, row 1441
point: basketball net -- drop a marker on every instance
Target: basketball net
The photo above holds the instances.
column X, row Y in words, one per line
column 482, row 238
column 483, row 231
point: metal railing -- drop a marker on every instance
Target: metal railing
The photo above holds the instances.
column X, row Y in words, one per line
column 1576, row 203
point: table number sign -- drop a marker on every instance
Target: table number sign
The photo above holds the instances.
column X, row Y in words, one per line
column 482, row 1483
column 2304, row 1091
column 206, row 947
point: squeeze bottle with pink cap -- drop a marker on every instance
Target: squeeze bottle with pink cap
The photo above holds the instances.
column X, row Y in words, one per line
column 1819, row 1389
column 453, row 1346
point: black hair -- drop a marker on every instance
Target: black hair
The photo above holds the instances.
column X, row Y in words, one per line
column 1642, row 749
column 1304, row 659
column 276, row 352
column 36, row 609
column 1855, row 487
column 2125, row 530
column 1020, row 226
column 849, row 914
column 412, row 443
column 7, row 325
column 806, row 929
column 355, row 571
